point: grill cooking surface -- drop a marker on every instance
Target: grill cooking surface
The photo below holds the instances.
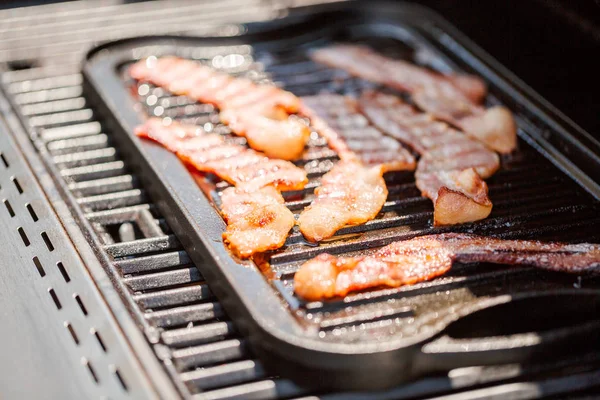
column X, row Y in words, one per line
column 200, row 345
column 532, row 200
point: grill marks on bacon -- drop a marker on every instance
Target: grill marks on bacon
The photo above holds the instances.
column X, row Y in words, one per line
column 424, row 258
column 257, row 218
column 261, row 113
column 352, row 137
column 451, row 98
column 452, row 166
column 354, row 191
column 208, row 152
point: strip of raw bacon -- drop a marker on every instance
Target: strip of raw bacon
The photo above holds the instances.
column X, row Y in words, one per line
column 349, row 194
column 351, row 135
column 452, row 165
column 208, row 152
column 257, row 220
column 424, row 258
column 453, row 99
column 258, row 112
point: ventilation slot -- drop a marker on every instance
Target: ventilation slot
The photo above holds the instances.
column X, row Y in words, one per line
column 81, row 305
column 9, row 208
column 120, row 379
column 99, row 339
column 20, row 65
column 38, row 266
column 49, row 244
column 24, row 236
column 4, row 161
column 72, row 332
column 63, row 271
column 91, row 369
column 17, row 185
column 34, row 216
column 55, row 298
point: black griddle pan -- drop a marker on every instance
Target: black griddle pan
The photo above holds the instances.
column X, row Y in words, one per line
column 457, row 328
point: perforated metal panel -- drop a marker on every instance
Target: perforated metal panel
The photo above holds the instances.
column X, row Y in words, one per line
column 52, row 315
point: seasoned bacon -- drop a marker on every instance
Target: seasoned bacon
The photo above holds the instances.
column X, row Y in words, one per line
column 349, row 194
column 424, row 258
column 450, row 98
column 451, row 166
column 208, row 152
column 261, row 113
column 352, row 136
column 257, row 220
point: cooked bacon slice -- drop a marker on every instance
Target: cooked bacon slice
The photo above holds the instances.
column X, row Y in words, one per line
column 366, row 63
column 352, row 136
column 354, row 191
column 458, row 196
column 349, row 194
column 278, row 138
column 258, row 112
column 495, row 127
column 208, row 152
column 453, row 99
column 452, row 165
column 257, row 220
column 424, row 258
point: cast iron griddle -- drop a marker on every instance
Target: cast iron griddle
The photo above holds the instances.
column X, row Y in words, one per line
column 477, row 314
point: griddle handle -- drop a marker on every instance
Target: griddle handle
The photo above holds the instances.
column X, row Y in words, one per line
column 447, row 353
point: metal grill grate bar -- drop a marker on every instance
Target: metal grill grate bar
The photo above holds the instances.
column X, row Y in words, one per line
column 209, row 354
column 195, row 335
column 162, row 280
column 154, row 262
column 175, row 297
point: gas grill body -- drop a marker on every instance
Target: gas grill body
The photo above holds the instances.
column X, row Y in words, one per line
column 155, row 330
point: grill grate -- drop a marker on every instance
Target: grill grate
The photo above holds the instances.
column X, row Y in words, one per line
column 208, row 354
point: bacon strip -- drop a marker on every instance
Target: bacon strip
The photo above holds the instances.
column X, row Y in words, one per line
column 452, row 165
column 261, row 113
column 351, row 135
column 424, row 258
column 208, row 152
column 349, row 194
column 354, row 191
column 450, row 98
column 257, row 218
